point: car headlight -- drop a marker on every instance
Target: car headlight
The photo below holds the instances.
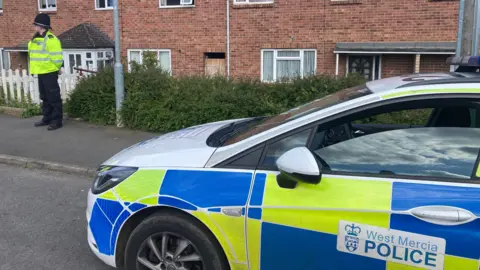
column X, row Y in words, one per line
column 107, row 177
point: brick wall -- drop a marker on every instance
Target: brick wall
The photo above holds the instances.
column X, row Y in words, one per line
column 394, row 65
column 320, row 24
column 434, row 63
column 190, row 32
column 17, row 18
column 187, row 32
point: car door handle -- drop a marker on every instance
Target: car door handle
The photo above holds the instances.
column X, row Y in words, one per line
column 443, row 215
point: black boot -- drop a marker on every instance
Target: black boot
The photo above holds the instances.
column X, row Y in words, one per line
column 55, row 126
column 41, row 123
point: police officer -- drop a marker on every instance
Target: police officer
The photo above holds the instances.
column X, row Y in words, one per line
column 46, row 60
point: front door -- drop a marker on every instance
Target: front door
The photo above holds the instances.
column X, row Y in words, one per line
column 367, row 66
column 404, row 198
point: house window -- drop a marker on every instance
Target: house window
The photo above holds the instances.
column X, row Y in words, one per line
column 176, row 3
column 104, row 59
column 214, row 64
column 74, row 61
column 89, row 60
column 253, row 1
column 288, row 64
column 366, row 65
column 1, row 6
column 46, row 5
column 104, row 4
column 163, row 56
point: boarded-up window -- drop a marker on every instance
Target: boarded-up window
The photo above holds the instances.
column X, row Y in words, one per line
column 215, row 64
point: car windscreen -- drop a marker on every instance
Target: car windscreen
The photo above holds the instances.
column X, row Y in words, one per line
column 261, row 124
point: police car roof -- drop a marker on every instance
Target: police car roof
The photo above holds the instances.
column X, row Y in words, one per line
column 420, row 79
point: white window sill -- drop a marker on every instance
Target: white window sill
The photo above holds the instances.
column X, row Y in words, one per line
column 107, row 8
column 47, row 10
column 182, row 6
column 253, row 3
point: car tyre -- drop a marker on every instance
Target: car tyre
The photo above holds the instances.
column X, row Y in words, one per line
column 175, row 225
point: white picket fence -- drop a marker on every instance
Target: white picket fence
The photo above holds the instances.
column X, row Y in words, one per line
column 18, row 86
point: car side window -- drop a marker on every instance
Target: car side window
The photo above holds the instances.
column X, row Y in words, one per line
column 449, row 152
column 276, row 149
column 462, row 115
column 415, row 117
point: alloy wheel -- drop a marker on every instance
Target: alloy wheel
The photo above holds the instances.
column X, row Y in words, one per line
column 168, row 251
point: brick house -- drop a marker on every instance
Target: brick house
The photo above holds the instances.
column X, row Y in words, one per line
column 265, row 39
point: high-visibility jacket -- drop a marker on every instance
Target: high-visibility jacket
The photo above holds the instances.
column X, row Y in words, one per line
column 45, row 54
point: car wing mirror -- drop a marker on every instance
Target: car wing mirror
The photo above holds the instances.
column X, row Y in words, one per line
column 298, row 165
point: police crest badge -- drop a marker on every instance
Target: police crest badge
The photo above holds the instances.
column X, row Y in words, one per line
column 351, row 239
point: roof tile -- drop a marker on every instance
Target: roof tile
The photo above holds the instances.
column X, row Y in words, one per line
column 82, row 36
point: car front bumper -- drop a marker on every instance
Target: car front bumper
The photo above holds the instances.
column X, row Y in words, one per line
column 108, row 259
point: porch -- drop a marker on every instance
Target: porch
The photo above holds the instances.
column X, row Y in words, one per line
column 375, row 60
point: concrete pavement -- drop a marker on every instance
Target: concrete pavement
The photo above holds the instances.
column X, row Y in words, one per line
column 77, row 143
column 43, row 221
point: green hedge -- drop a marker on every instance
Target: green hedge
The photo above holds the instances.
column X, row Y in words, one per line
column 156, row 101
column 93, row 99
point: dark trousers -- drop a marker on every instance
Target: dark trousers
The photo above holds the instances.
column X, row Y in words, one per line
column 51, row 99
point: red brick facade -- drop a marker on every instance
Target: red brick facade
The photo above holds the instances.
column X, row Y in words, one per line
column 191, row 32
column 433, row 63
column 394, row 65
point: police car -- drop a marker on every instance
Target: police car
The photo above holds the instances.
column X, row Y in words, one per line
column 384, row 175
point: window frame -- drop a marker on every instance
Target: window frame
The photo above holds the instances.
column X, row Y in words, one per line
column 177, row 6
column 158, row 51
column 85, row 59
column 276, row 58
column 339, row 117
column 47, row 2
column 106, row 5
column 247, row 2
column 1, row 7
column 476, row 168
column 104, row 58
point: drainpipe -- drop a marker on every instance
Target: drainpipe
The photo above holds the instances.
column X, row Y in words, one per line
column 228, row 39
column 461, row 14
column 476, row 28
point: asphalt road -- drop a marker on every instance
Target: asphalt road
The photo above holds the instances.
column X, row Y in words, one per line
column 42, row 221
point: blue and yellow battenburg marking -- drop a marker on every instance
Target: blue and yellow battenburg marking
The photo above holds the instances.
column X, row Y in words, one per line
column 200, row 193
column 301, row 224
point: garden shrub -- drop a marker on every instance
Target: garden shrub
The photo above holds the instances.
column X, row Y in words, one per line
column 156, row 101
column 93, row 99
